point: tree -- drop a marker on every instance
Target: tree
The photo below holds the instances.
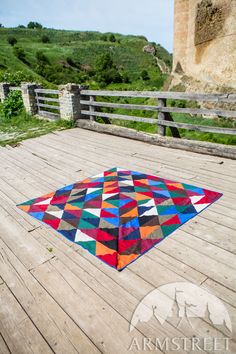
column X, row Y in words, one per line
column 1, row 25
column 104, row 37
column 45, row 39
column 12, row 40
column 34, row 25
column 106, row 71
column 112, row 38
column 21, row 26
column 144, row 75
column 104, row 62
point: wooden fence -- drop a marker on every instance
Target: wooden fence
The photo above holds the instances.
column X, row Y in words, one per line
column 84, row 105
column 163, row 111
column 48, row 103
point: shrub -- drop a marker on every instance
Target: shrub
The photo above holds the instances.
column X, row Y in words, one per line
column 20, row 54
column 144, row 75
column 21, row 26
column 12, row 105
column 104, row 62
column 45, row 39
column 41, row 57
column 34, row 25
column 12, row 40
column 107, row 72
column 104, row 38
column 75, row 64
column 112, row 38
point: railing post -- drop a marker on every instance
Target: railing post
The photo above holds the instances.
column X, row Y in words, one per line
column 4, row 90
column 92, row 99
column 29, row 97
column 69, row 100
column 161, row 116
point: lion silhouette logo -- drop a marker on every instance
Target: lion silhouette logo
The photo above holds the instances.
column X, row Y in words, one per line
column 190, row 300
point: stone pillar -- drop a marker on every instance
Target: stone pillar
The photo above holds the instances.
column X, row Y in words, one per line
column 4, row 90
column 29, row 97
column 69, row 98
column 181, row 30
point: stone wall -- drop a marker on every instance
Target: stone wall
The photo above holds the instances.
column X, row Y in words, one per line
column 205, row 42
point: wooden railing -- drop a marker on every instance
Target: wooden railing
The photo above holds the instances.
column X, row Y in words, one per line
column 13, row 88
column 163, row 111
column 48, row 103
column 73, row 102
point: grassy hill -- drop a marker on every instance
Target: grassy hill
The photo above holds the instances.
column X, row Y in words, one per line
column 59, row 56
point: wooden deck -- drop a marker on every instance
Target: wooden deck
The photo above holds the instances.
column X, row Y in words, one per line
column 57, row 298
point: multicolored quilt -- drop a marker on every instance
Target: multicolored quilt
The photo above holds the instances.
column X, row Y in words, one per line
column 119, row 215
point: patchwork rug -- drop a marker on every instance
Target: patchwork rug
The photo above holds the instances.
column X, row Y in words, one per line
column 119, row 215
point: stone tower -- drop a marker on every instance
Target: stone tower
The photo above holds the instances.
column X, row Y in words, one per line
column 205, row 42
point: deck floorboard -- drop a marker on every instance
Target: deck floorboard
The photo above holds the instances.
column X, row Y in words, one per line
column 57, row 298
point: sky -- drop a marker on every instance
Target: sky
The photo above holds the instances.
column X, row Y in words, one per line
column 151, row 18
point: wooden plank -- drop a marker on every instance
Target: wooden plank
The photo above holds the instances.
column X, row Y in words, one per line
column 47, row 91
column 160, row 94
column 209, row 249
column 47, row 99
column 200, row 111
column 19, row 241
column 220, row 273
column 48, row 106
column 14, row 88
column 182, row 144
column 86, row 308
column 159, row 108
column 108, row 151
column 212, row 231
column 120, row 105
column 220, row 291
column 3, row 346
column 47, row 114
column 92, row 100
column 60, row 332
column 200, row 128
column 104, row 286
column 19, row 333
column 119, row 116
column 161, row 117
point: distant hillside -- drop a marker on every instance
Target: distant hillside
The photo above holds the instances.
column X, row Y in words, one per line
column 58, row 56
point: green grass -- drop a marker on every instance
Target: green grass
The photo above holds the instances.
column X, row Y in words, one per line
column 23, row 126
column 84, row 47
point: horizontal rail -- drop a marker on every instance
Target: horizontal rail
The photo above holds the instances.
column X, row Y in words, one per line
column 120, row 105
column 47, row 91
column 47, row 114
column 15, row 88
column 197, row 111
column 200, row 128
column 119, row 116
column 163, row 95
column 48, row 99
column 48, row 106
